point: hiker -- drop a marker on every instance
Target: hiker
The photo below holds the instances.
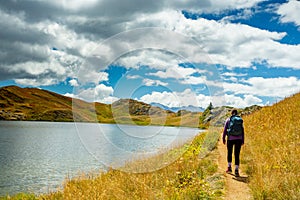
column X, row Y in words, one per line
column 234, row 131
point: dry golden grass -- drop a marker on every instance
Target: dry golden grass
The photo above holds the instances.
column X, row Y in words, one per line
column 188, row 177
column 272, row 151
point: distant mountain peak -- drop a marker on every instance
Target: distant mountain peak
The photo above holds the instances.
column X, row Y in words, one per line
column 189, row 108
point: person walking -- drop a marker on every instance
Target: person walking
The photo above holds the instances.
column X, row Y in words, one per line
column 234, row 131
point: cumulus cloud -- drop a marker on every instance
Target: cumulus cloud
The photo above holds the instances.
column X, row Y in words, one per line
column 265, row 87
column 87, row 75
column 241, row 102
column 290, row 12
column 73, row 83
column 153, row 58
column 177, row 99
column 151, row 82
column 29, row 52
column 47, row 42
column 31, row 29
column 193, row 80
column 229, row 74
column 101, row 93
column 36, row 82
column 176, row 72
column 234, row 45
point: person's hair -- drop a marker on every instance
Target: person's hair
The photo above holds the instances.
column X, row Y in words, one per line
column 234, row 112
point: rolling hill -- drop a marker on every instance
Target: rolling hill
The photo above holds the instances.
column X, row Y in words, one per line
column 33, row 104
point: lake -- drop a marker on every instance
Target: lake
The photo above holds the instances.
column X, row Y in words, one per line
column 38, row 156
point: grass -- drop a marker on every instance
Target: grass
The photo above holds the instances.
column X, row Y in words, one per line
column 272, row 152
column 187, row 177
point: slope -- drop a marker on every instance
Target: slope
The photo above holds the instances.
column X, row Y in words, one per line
column 273, row 154
column 41, row 105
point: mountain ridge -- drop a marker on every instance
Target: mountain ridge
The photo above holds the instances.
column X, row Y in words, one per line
column 33, row 104
column 176, row 109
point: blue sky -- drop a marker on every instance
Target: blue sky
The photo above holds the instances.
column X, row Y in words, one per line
column 176, row 53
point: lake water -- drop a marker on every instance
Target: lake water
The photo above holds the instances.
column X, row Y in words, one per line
column 38, row 156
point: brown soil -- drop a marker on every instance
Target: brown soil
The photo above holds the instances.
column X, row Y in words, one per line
column 235, row 187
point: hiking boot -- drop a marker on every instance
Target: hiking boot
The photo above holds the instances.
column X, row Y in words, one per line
column 229, row 170
column 236, row 173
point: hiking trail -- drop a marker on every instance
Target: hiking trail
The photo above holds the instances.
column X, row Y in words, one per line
column 236, row 188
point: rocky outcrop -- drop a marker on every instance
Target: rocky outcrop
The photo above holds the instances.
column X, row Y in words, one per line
column 217, row 116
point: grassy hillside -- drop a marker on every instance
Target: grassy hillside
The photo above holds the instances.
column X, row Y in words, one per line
column 272, row 150
column 35, row 104
column 41, row 105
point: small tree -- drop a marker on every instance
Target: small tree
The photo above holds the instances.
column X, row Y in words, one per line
column 210, row 106
column 204, row 116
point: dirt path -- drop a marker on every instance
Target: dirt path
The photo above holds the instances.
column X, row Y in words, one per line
column 235, row 188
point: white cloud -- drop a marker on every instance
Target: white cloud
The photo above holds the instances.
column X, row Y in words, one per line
column 176, row 72
column 226, row 43
column 233, row 74
column 251, row 100
column 266, row 87
column 108, row 100
column 188, row 97
column 193, row 80
column 70, row 95
column 36, row 82
column 86, row 75
column 66, row 39
column 177, row 99
column 154, row 59
column 73, row 83
column 219, row 5
column 133, row 76
column 203, row 101
column 164, row 98
column 151, row 82
column 101, row 93
column 46, row 73
column 75, row 29
column 245, row 15
column 39, row 52
column 290, row 12
column 239, row 102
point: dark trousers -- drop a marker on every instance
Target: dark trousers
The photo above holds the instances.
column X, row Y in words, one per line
column 237, row 149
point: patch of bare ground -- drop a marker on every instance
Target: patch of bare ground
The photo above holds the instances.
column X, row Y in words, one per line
column 235, row 187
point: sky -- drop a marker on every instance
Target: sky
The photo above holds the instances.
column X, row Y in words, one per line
column 172, row 52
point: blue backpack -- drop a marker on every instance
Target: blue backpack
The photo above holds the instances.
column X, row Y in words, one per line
column 235, row 126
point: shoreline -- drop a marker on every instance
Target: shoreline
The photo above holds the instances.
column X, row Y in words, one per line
column 90, row 122
column 11, row 124
column 107, row 173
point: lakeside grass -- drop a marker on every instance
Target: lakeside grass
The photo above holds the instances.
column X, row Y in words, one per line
column 188, row 177
column 272, row 152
